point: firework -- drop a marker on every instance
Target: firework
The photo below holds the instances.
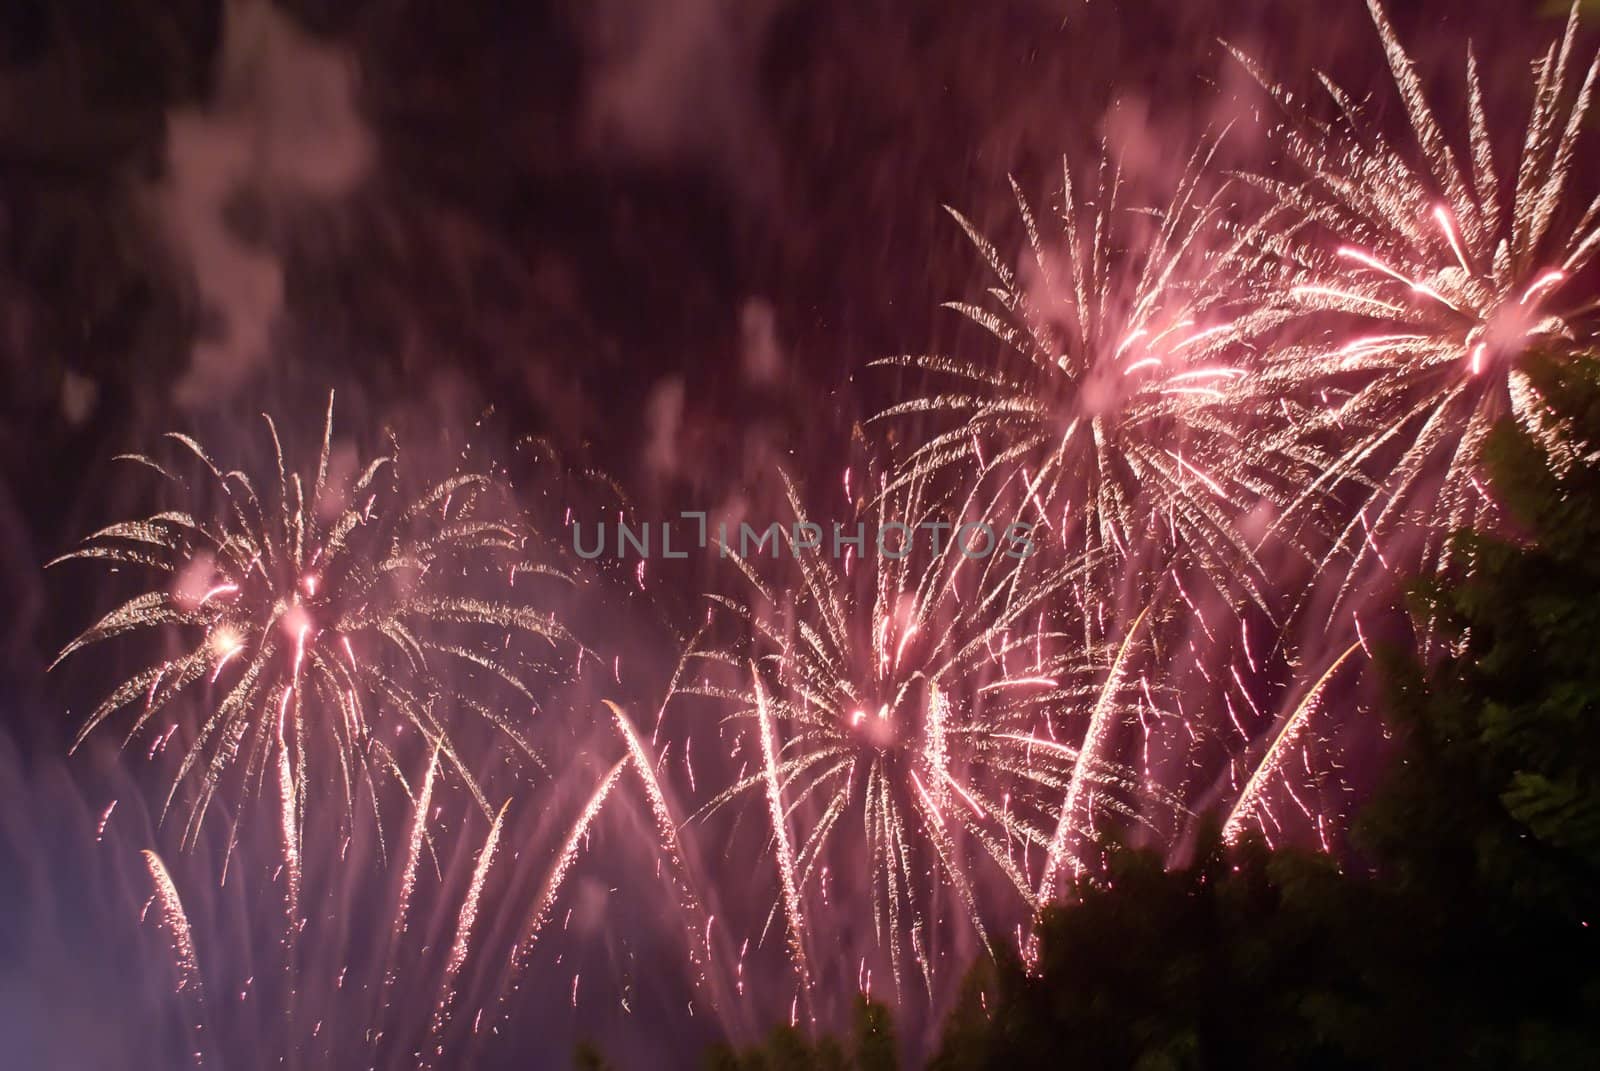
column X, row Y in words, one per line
column 698, row 920
column 931, row 745
column 321, row 1015
column 1291, row 727
column 312, row 615
column 540, row 914
column 1436, row 280
column 931, row 701
column 1127, row 414
column 1120, row 404
column 465, row 922
column 175, row 922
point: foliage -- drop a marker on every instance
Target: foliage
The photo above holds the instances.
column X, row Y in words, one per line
column 1498, row 795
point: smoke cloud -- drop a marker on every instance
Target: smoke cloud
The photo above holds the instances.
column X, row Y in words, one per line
column 676, row 82
column 282, row 129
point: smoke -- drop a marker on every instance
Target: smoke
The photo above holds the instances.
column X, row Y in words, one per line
column 664, row 422
column 1146, row 146
column 81, row 983
column 760, row 357
column 675, row 82
column 281, row 130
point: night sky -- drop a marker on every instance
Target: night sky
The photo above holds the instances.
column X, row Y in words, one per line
column 653, row 244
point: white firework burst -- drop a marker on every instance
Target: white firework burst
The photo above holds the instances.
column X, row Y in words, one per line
column 310, row 615
column 1120, row 405
column 1426, row 285
column 923, row 710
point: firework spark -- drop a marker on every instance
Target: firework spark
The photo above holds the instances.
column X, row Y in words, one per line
column 314, row 613
column 322, row 1013
column 465, row 922
column 176, row 922
column 1074, row 814
column 699, row 922
column 931, row 696
column 1291, row 728
column 1120, row 405
column 533, row 927
column 1440, row 280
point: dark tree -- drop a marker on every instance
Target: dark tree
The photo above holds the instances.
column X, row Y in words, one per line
column 1460, row 937
column 1497, row 794
column 871, row 1048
